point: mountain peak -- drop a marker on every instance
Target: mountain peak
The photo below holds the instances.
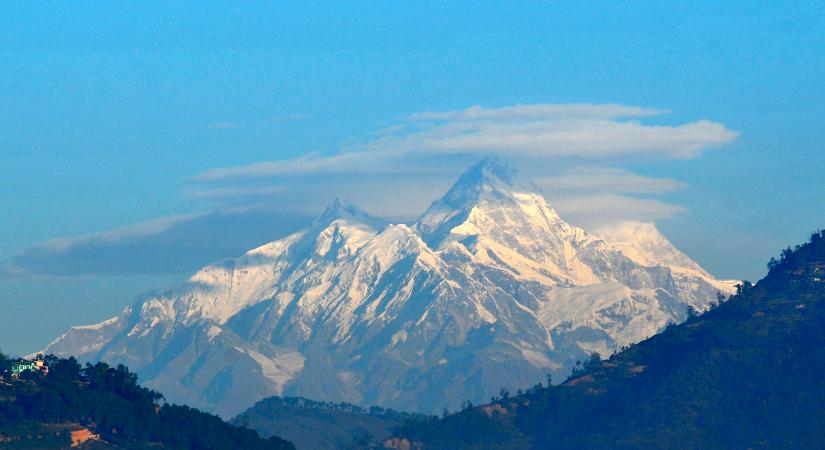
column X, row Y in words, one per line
column 489, row 179
column 491, row 198
column 339, row 209
column 493, row 167
column 643, row 243
column 490, row 174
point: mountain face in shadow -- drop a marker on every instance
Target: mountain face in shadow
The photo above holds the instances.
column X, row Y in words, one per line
column 747, row 374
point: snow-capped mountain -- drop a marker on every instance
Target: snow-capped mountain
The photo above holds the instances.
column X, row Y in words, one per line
column 490, row 288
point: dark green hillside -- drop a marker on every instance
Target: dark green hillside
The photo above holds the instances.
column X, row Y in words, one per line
column 749, row 374
column 39, row 410
column 312, row 425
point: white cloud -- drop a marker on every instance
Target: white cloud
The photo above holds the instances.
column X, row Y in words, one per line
column 539, row 132
column 566, row 148
column 556, row 137
column 605, row 179
column 178, row 244
column 308, row 164
column 593, row 211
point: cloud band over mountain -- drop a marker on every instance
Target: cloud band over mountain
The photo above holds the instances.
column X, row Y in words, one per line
column 538, row 131
column 170, row 245
column 574, row 151
column 577, row 153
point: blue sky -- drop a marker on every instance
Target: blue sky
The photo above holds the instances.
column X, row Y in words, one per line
column 112, row 114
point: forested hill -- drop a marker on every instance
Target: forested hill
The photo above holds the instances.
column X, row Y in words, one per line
column 749, row 374
column 39, row 410
column 313, row 425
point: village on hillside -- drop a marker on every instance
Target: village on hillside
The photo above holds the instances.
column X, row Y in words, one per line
column 23, row 369
column 18, row 368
